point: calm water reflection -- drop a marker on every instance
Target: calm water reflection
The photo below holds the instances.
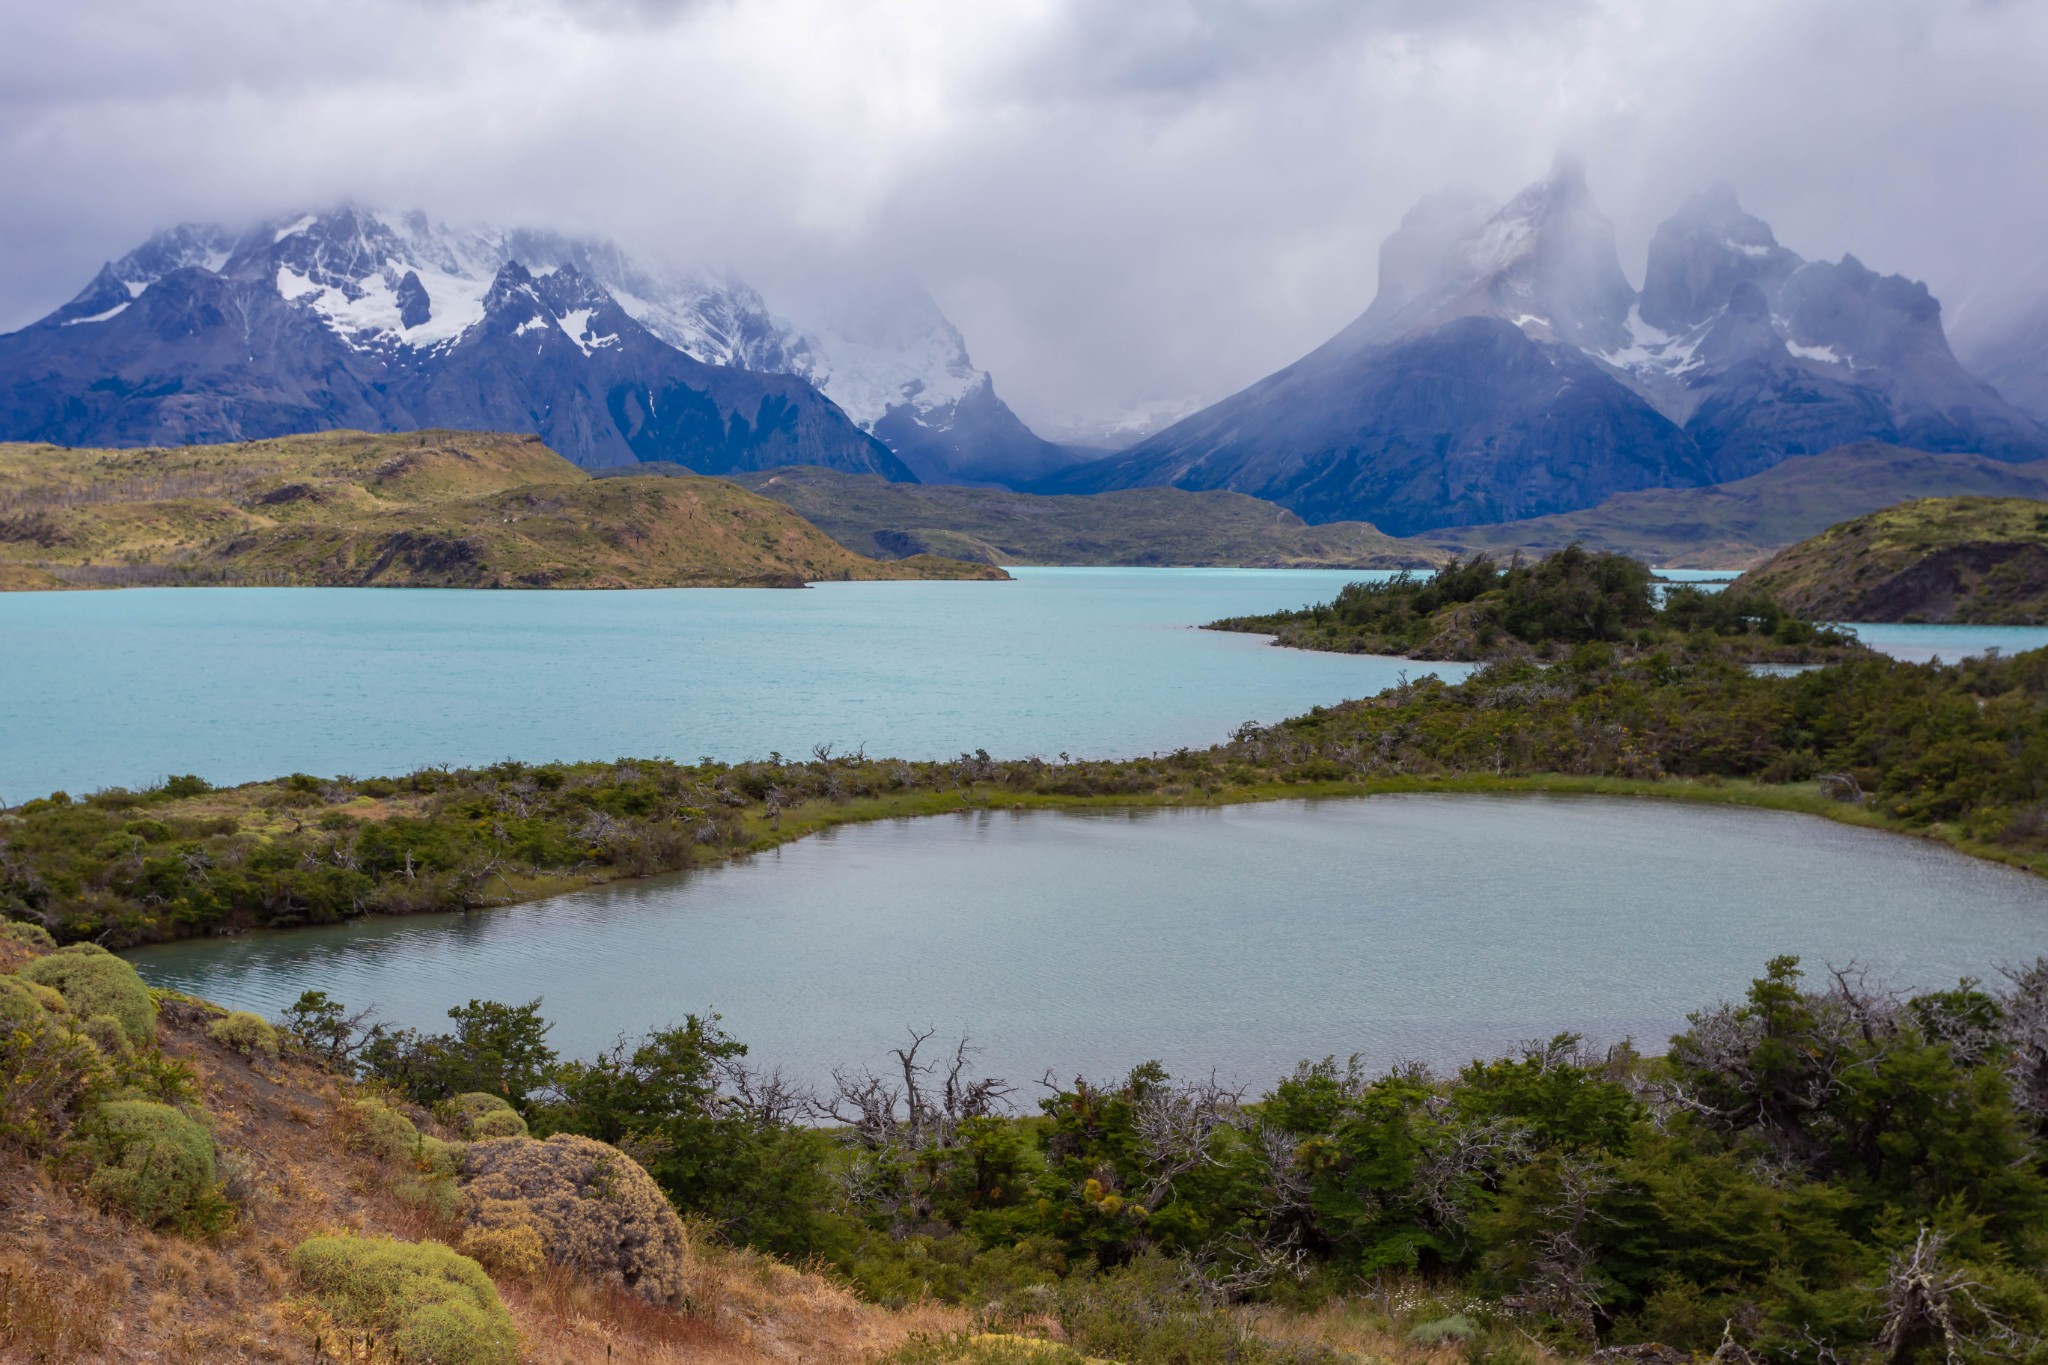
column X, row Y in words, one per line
column 1245, row 939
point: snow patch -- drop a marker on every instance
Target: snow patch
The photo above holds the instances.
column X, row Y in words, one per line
column 293, row 229
column 537, row 323
column 99, row 317
column 1827, row 355
column 1652, row 350
column 576, row 325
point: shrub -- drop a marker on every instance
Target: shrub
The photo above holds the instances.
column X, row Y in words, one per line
column 373, row 1127
column 30, row 935
column 148, row 1160
column 246, row 1033
column 478, row 1115
column 108, row 1036
column 593, row 1208
column 94, row 981
column 47, row 1071
column 989, row 1348
column 498, row 1123
column 428, row 1304
column 513, row 1250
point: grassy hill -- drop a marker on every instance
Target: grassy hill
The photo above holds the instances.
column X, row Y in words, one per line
column 1147, row 526
column 1736, row 525
column 421, row 509
column 1978, row 560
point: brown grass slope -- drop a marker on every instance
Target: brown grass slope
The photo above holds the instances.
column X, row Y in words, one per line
column 79, row 1283
column 302, row 1154
column 421, row 509
column 1737, row 525
column 1982, row 561
column 1138, row 527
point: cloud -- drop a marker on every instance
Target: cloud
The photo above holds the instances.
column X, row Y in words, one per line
column 1115, row 199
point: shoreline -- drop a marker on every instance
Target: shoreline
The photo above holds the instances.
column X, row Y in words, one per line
column 800, row 822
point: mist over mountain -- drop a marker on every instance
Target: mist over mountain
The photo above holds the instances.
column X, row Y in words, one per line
column 2005, row 342
column 389, row 321
column 1506, row 368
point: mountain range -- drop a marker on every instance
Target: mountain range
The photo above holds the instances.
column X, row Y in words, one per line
column 1507, row 369
column 391, row 322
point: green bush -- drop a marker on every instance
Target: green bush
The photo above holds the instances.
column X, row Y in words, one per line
column 34, row 935
column 428, row 1304
column 428, row 1165
column 969, row 1348
column 94, row 981
column 478, row 1116
column 148, row 1160
column 246, row 1033
column 47, row 1070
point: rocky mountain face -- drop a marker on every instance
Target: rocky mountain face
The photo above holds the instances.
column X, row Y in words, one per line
column 391, row 321
column 353, row 320
column 1507, row 369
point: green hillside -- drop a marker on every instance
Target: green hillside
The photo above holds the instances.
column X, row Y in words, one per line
column 421, row 509
column 1977, row 560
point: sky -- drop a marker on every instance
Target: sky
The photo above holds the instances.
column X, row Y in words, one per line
column 1118, row 202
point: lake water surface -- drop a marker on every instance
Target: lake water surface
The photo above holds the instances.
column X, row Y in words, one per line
column 1243, row 939
column 102, row 689
column 235, row 684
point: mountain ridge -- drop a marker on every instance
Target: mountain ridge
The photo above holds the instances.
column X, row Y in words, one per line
column 398, row 294
column 1422, row 413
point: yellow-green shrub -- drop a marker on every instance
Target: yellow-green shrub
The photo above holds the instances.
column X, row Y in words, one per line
column 479, row 1115
column 148, row 1160
column 428, row 1165
column 428, row 1304
column 47, row 1070
column 29, row 935
column 94, row 981
column 246, row 1033
column 593, row 1207
column 514, row 1250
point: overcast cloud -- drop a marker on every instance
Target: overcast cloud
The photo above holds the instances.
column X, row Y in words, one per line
column 1116, row 200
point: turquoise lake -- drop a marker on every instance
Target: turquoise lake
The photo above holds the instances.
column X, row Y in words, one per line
column 1245, row 939
column 124, row 688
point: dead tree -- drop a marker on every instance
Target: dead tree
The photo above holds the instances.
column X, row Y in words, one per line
column 1927, row 1301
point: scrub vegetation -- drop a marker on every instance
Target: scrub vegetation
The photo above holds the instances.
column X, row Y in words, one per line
column 1821, row 1170
column 1478, row 608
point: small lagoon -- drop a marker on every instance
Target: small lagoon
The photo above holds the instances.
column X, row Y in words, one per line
column 1243, row 938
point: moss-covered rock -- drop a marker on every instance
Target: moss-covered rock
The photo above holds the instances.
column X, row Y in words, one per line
column 148, row 1160
column 594, row 1209
column 427, row 1304
column 94, row 981
column 246, row 1033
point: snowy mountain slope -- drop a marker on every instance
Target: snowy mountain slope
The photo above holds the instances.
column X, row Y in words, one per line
column 384, row 322
column 400, row 289
column 1737, row 354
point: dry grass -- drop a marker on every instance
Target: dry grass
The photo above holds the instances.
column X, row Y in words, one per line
column 421, row 509
column 78, row 1284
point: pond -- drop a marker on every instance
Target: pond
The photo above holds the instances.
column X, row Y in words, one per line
column 1242, row 939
